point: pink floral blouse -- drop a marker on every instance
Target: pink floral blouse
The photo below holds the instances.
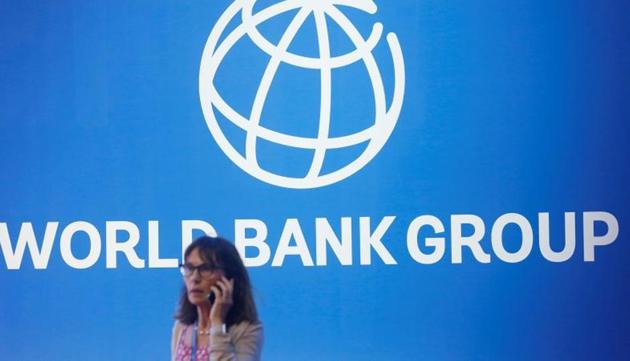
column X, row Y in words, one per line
column 184, row 351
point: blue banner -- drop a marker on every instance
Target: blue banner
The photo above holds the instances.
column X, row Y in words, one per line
column 405, row 180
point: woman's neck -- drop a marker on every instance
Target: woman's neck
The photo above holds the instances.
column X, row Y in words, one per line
column 203, row 316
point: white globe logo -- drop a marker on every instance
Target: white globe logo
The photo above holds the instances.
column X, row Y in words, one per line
column 376, row 135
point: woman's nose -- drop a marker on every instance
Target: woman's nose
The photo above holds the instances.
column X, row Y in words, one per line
column 196, row 276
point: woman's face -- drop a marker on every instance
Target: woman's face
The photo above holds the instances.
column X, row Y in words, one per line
column 197, row 285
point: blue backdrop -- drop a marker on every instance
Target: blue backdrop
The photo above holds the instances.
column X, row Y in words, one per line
column 509, row 107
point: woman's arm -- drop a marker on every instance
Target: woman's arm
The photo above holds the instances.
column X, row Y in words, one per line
column 177, row 332
column 243, row 342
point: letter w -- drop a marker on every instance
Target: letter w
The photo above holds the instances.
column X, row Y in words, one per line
column 26, row 238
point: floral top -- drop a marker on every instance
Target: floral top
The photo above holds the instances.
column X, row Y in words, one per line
column 184, row 351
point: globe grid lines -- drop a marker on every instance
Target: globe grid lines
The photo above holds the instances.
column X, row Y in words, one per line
column 376, row 135
column 295, row 59
column 265, row 83
column 275, row 137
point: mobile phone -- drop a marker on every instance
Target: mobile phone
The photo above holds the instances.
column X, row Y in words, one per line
column 211, row 297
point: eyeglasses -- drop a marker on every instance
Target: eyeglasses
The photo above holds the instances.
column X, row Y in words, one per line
column 205, row 269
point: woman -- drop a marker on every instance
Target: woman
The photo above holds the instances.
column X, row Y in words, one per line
column 217, row 318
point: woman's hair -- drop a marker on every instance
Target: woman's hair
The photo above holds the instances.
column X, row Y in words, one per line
column 221, row 253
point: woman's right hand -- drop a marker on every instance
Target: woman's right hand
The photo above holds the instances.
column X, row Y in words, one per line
column 222, row 300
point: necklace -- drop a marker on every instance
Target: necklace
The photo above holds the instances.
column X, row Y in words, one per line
column 193, row 340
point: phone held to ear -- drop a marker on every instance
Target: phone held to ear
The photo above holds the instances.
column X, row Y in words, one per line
column 211, row 297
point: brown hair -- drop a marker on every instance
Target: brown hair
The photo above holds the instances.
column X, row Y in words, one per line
column 220, row 252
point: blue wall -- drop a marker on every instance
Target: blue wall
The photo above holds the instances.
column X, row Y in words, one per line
column 509, row 107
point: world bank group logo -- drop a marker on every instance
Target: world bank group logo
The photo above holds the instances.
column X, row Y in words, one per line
column 242, row 22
